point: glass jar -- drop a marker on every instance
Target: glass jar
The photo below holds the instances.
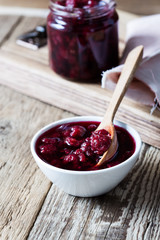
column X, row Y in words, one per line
column 82, row 42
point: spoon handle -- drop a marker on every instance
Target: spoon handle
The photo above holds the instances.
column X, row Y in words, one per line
column 126, row 77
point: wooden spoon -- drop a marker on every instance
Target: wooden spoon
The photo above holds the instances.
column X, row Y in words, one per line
column 132, row 61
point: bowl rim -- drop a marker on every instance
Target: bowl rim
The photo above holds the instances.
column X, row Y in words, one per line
column 136, row 137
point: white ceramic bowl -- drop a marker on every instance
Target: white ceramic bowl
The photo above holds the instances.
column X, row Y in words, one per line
column 86, row 183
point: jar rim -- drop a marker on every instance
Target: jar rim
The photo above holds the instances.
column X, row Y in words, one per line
column 105, row 7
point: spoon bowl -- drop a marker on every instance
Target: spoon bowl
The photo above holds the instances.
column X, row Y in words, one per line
column 132, row 61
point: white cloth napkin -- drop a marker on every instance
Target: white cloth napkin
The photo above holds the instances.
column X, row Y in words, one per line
column 145, row 87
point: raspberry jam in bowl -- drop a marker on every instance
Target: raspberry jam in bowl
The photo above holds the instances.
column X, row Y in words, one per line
column 67, row 152
column 82, row 38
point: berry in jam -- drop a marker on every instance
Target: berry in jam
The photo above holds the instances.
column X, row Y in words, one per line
column 82, row 38
column 77, row 146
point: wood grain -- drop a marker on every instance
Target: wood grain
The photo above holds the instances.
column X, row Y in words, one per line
column 26, row 24
column 23, row 187
column 146, row 7
column 130, row 211
column 25, row 4
column 8, row 23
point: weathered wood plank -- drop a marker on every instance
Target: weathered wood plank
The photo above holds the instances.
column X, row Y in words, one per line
column 130, row 211
column 26, row 24
column 23, row 187
column 146, row 7
column 8, row 23
column 25, row 4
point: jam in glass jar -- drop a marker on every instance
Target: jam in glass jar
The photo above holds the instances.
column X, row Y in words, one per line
column 82, row 38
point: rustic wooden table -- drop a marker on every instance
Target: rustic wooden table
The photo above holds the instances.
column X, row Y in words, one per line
column 30, row 206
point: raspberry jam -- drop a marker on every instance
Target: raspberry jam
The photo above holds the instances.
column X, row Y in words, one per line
column 82, row 38
column 77, row 146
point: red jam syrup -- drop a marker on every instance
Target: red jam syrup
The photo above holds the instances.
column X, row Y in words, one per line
column 82, row 38
column 77, row 146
